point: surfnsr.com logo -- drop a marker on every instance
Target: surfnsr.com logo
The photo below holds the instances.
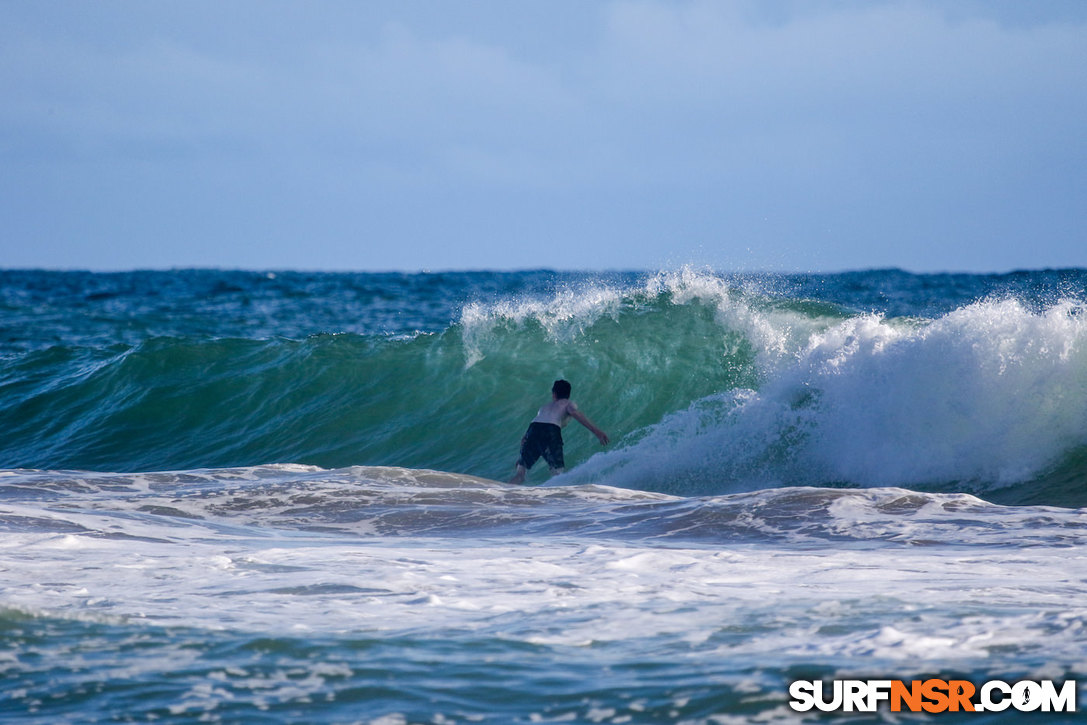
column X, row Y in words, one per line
column 933, row 695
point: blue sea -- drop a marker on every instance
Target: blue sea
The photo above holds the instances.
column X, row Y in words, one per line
column 277, row 497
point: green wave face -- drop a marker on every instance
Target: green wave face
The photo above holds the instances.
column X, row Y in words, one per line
column 457, row 399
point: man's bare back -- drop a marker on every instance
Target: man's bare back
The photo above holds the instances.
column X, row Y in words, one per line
column 544, row 436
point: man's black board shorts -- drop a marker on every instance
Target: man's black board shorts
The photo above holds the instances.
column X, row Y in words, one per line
column 542, row 439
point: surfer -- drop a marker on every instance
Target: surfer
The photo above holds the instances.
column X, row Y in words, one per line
column 544, row 434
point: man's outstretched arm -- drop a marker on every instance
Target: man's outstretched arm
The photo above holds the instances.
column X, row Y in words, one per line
column 581, row 418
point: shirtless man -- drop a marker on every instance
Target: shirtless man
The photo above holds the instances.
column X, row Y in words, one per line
column 544, row 435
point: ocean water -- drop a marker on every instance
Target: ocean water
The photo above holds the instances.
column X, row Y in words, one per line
column 276, row 497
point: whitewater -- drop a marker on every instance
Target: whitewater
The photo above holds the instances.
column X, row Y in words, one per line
column 277, row 496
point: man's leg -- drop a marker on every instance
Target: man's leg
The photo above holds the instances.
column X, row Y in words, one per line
column 519, row 474
column 553, row 454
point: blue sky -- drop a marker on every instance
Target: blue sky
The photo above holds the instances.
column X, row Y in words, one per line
column 771, row 135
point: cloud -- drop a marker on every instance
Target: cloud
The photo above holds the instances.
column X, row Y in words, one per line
column 847, row 67
column 768, row 124
column 663, row 73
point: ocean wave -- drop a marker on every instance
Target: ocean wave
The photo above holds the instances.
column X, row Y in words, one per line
column 707, row 383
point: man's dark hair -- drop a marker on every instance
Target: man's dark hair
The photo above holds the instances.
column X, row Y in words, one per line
column 561, row 389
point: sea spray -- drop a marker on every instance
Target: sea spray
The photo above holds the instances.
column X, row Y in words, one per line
column 988, row 395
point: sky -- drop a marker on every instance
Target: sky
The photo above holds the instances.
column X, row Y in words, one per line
column 769, row 135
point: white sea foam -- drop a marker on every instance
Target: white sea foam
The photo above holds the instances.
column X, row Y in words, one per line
column 880, row 580
column 990, row 394
column 915, row 604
